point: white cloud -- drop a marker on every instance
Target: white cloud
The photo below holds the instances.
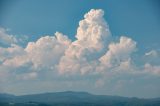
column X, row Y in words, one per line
column 10, row 52
column 152, row 57
column 153, row 53
column 42, row 54
column 94, row 55
column 93, row 30
column 152, row 69
column 47, row 51
column 93, row 52
column 6, row 39
column 93, row 35
column 118, row 52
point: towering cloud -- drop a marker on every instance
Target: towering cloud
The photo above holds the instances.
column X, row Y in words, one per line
column 94, row 55
column 93, row 35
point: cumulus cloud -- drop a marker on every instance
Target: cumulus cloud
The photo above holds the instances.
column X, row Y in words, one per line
column 93, row 35
column 47, row 51
column 94, row 55
column 6, row 39
column 152, row 69
column 42, row 54
column 10, row 52
column 118, row 52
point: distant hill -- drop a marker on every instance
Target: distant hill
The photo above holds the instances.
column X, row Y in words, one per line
column 70, row 98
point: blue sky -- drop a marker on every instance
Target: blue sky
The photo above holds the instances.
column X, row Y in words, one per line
column 137, row 19
column 24, row 21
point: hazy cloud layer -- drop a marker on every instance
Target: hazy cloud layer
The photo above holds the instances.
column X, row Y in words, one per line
column 95, row 57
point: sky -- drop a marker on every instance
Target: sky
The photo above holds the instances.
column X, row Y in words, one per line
column 103, row 47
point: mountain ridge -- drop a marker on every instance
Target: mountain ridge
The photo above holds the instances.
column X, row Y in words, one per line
column 72, row 97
